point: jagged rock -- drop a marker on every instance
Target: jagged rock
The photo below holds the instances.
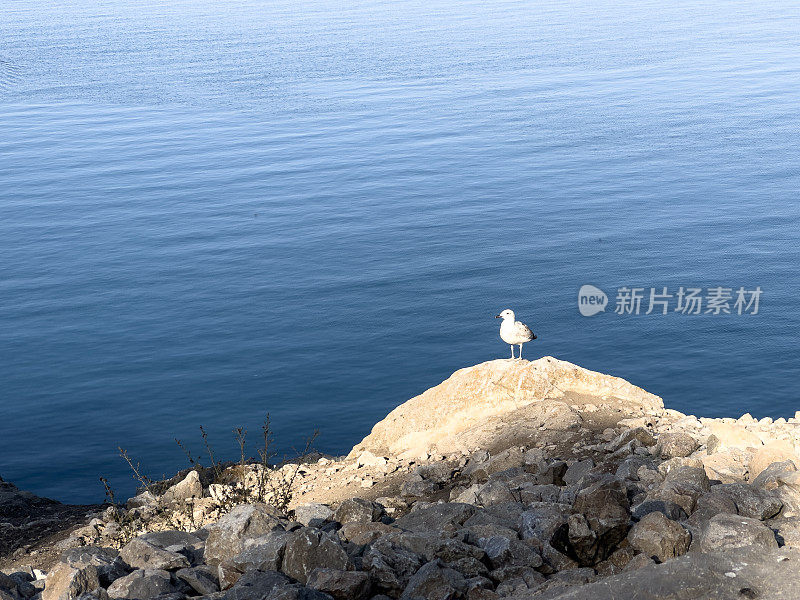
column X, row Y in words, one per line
column 190, row 487
column 448, row 516
column 342, row 585
column 390, row 565
column 226, row 537
column 368, row 459
column 434, row 581
column 142, row 585
column 313, row 515
column 295, row 591
column 725, row 467
column 509, row 552
column 658, row 537
column 617, row 562
column 731, row 435
column 65, row 582
column 358, row 510
column 541, row 520
column 309, row 549
column 364, row 533
column 140, row 554
column 770, row 476
column 577, row 471
column 672, row 445
column 107, row 560
column 468, row 409
column 710, row 504
column 682, row 486
column 264, row 552
column 256, row 585
column 725, row 531
column 605, row 508
column 201, row 579
column 667, row 508
column 144, row 499
column 696, row 576
column 751, row 501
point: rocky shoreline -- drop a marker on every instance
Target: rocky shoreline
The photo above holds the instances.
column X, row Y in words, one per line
column 511, row 479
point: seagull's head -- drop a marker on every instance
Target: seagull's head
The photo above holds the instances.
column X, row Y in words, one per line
column 506, row 314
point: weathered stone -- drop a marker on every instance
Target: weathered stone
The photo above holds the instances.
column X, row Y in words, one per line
column 725, row 467
column 141, row 554
column 264, row 552
column 682, row 486
column 142, row 585
column 296, row 591
column 672, row 445
column 226, row 537
column 256, row 585
column 189, row 488
column 201, row 579
column 342, row 585
column 364, row 533
column 770, row 476
column 658, row 537
column 65, row 582
column 390, row 565
column 725, row 531
column 508, row 552
column 605, row 507
column 750, row 500
column 434, row 581
column 471, row 407
column 578, row 471
column 448, row 516
column 357, row 510
column 541, row 520
column 669, row 509
column 107, row 560
column 309, row 549
column 313, row 515
column 732, row 435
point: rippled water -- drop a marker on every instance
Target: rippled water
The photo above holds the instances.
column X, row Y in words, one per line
column 214, row 210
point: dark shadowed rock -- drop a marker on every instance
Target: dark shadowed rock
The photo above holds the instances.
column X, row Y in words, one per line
column 309, row 549
column 297, row 591
column 770, row 477
column 140, row 554
column 358, row 510
column 577, row 471
column 342, row 585
column 447, row 516
column 226, row 537
column 202, row 579
column 142, row 585
column 434, row 580
column 659, row 538
column 256, row 585
column 508, row 552
column 390, row 565
column 724, row 532
column 605, row 506
column 667, row 508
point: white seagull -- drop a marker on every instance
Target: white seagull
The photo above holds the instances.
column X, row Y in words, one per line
column 513, row 332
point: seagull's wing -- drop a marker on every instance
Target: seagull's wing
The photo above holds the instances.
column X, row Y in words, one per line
column 524, row 331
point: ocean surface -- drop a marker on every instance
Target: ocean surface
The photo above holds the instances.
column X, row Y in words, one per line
column 210, row 211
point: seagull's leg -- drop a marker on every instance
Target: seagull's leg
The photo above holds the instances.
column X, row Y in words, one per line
column 520, row 351
column 512, row 351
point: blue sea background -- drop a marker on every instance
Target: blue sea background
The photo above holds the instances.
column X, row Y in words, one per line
column 210, row 211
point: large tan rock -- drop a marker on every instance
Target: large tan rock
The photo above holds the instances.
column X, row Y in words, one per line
column 732, row 436
column 775, row 451
column 470, row 408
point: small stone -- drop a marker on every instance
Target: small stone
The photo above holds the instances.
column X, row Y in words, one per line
column 342, row 585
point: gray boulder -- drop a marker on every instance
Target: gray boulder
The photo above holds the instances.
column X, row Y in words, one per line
column 507, row 552
column 141, row 554
column 724, row 532
column 448, row 516
column 665, row 507
column 65, row 582
column 107, row 560
column 434, row 580
column 659, row 538
column 202, row 579
column 226, row 537
column 342, row 585
column 142, row 585
column 751, row 500
column 256, row 585
column 313, row 514
column 390, row 565
column 264, row 553
column 358, row 510
column 309, row 549
column 675, row 445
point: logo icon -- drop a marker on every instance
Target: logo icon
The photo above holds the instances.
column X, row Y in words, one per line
column 591, row 300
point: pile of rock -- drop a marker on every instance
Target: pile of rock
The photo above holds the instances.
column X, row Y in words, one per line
column 578, row 487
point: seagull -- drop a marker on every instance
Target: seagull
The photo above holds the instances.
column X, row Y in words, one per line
column 513, row 332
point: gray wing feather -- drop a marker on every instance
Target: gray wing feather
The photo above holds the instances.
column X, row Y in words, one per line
column 524, row 331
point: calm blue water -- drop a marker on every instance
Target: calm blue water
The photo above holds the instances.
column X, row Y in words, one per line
column 213, row 210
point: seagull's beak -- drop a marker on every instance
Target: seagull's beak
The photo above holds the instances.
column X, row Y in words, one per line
column 498, row 317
